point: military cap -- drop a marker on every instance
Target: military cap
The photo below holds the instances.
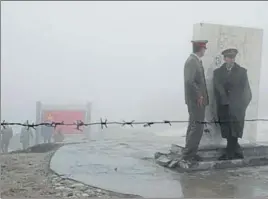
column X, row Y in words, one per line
column 200, row 43
column 230, row 52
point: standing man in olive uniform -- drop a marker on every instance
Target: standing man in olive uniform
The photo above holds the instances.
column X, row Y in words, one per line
column 7, row 134
column 233, row 95
column 26, row 135
column 47, row 132
column 196, row 98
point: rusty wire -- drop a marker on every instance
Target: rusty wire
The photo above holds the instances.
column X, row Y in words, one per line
column 104, row 123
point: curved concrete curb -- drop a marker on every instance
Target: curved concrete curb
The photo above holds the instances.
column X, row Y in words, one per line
column 70, row 185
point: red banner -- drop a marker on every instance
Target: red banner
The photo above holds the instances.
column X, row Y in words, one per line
column 68, row 117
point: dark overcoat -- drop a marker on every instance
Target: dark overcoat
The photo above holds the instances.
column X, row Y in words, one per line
column 233, row 95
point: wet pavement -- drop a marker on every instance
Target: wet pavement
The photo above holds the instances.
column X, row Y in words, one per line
column 123, row 162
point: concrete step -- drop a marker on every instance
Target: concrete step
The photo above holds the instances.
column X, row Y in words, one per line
column 217, row 151
column 255, row 155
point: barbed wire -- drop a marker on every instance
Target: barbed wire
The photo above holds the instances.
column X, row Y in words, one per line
column 104, row 123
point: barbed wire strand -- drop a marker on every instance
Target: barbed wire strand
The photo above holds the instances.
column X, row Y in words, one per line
column 104, row 123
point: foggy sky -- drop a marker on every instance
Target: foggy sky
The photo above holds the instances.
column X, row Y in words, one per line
column 125, row 57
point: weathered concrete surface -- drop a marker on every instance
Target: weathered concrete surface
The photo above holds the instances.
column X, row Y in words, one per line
column 255, row 155
column 125, row 166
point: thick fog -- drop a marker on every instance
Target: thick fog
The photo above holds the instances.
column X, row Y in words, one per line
column 126, row 58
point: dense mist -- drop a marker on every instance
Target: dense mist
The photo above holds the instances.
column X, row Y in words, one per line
column 125, row 57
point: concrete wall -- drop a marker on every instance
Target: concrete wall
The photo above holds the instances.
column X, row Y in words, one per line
column 248, row 41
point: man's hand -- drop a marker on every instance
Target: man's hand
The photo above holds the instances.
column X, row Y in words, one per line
column 200, row 101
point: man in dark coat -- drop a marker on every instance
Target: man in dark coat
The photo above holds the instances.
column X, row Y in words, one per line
column 196, row 98
column 233, row 95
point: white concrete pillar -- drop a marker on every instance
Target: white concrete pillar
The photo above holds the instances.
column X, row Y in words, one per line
column 248, row 41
